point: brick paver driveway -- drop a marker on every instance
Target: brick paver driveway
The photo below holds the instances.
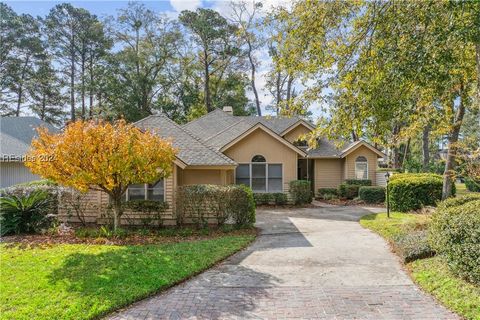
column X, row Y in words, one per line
column 315, row 263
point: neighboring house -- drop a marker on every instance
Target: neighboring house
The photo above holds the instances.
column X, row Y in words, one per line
column 16, row 134
column 265, row 153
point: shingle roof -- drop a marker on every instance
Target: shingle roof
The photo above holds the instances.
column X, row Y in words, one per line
column 216, row 121
column 218, row 128
column 16, row 134
column 191, row 150
column 325, row 148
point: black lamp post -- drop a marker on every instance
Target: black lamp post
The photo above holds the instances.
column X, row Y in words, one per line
column 387, row 178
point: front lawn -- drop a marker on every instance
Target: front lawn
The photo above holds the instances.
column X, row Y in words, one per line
column 434, row 277
column 84, row 281
column 398, row 223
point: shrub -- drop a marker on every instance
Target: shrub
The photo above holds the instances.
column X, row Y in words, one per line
column 372, row 194
column 359, row 182
column 472, row 185
column 25, row 213
column 322, row 192
column 151, row 211
column 413, row 191
column 241, row 206
column 280, row 198
column 455, row 233
column 348, row 191
column 263, row 198
column 43, row 182
column 329, row 196
column 300, row 191
column 414, row 245
column 200, row 202
column 455, row 202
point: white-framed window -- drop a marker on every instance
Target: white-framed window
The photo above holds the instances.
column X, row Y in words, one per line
column 147, row 191
column 260, row 175
column 361, row 168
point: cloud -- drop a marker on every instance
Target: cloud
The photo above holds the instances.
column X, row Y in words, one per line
column 180, row 5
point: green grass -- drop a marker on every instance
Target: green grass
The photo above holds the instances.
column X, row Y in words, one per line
column 397, row 224
column 78, row 281
column 461, row 189
column 433, row 276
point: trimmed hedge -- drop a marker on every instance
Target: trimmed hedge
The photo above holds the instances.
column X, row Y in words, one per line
column 455, row 233
column 359, row 182
column 300, row 191
column 409, row 191
column 200, row 202
column 372, row 194
column 277, row 198
column 280, row 198
column 263, row 198
column 349, row 191
column 472, row 185
column 324, row 191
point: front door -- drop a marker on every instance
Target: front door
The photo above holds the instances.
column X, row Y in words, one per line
column 305, row 170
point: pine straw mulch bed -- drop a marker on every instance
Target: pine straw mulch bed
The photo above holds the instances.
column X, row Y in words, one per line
column 346, row 202
column 131, row 238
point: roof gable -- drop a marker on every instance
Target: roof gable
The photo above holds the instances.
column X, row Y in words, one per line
column 357, row 144
column 261, row 126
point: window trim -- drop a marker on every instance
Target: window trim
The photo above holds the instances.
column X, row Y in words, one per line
column 362, row 162
column 266, row 175
column 145, row 186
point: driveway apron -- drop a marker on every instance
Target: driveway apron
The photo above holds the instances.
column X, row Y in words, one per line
column 311, row 263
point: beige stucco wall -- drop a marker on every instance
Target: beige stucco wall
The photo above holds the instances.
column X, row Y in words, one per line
column 295, row 133
column 204, row 176
column 261, row 143
column 328, row 173
column 349, row 164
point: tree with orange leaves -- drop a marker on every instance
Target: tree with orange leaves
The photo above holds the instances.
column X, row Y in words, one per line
column 104, row 156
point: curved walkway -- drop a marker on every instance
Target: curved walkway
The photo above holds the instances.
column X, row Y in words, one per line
column 315, row 263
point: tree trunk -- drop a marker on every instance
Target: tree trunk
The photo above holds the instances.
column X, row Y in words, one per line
column 72, row 73
column 354, row 136
column 426, row 148
column 477, row 60
column 83, row 89
column 44, row 107
column 395, row 148
column 449, row 173
column 405, row 153
column 20, row 87
column 116, row 200
column 252, row 80
column 208, row 104
column 279, row 92
column 91, row 91
column 289, row 90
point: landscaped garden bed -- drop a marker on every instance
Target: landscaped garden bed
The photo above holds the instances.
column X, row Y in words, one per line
column 408, row 235
column 85, row 281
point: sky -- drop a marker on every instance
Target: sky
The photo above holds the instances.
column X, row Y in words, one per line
column 171, row 8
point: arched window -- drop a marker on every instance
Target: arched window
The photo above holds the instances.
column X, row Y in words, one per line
column 361, row 168
column 258, row 158
column 260, row 175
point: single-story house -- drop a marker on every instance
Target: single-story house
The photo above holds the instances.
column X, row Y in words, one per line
column 16, row 134
column 265, row 153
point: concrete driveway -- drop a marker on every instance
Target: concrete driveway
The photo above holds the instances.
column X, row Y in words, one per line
column 315, row 263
